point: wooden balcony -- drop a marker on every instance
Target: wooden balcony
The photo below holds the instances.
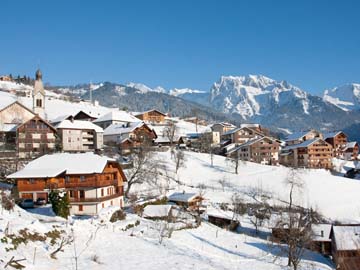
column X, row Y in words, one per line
column 99, row 199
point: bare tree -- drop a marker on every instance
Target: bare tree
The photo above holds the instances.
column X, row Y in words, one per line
column 206, row 146
column 235, row 161
column 170, row 132
column 223, row 182
column 239, row 207
column 145, row 168
column 296, row 224
column 179, row 158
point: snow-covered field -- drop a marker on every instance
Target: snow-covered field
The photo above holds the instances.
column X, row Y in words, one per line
column 99, row 244
column 335, row 197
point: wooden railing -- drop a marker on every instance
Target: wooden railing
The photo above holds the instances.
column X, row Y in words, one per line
column 99, row 199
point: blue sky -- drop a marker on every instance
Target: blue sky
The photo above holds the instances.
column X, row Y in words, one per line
column 312, row 44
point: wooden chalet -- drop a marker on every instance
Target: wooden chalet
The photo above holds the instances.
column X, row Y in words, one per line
column 190, row 201
column 130, row 135
column 350, row 151
column 35, row 137
column 300, row 137
column 151, row 116
column 313, row 153
column 338, row 140
column 346, row 246
column 91, row 182
column 263, row 150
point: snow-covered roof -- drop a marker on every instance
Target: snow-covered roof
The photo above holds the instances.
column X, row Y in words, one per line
column 299, row 145
column 8, row 127
column 331, row 134
column 55, row 164
column 153, row 110
column 225, row 124
column 78, row 124
column 321, row 232
column 121, row 116
column 214, row 212
column 297, row 135
column 240, row 128
column 249, row 142
column 60, row 118
column 153, row 211
column 250, row 125
column 350, row 145
column 182, row 197
column 347, row 237
column 118, row 129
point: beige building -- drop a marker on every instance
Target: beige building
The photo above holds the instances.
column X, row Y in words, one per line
column 241, row 135
column 79, row 136
column 222, row 127
column 262, row 150
column 313, row 153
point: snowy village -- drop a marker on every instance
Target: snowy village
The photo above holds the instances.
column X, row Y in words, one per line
column 77, row 173
column 131, row 136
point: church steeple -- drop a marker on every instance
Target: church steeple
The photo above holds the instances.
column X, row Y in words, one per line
column 39, row 95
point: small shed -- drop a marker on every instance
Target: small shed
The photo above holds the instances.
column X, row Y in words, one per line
column 222, row 219
column 346, row 246
column 321, row 241
column 155, row 212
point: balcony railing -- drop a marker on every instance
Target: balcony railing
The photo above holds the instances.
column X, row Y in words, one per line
column 99, row 199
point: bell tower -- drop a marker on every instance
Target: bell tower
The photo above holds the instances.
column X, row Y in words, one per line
column 39, row 95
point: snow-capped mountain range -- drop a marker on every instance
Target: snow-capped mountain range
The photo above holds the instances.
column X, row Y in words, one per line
column 239, row 99
column 346, row 97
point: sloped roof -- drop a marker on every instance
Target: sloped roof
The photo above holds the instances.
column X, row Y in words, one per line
column 55, row 164
column 347, row 237
column 303, row 144
column 182, row 197
column 225, row 124
column 78, row 124
column 153, row 211
column 118, row 129
column 8, row 127
column 240, row 128
column 296, row 135
column 325, row 229
column 122, row 116
column 331, row 134
column 249, row 142
column 350, row 145
column 153, row 110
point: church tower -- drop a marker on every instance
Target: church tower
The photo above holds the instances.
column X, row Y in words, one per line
column 39, row 95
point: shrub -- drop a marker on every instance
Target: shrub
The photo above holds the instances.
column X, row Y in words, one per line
column 60, row 203
column 117, row 215
column 7, row 202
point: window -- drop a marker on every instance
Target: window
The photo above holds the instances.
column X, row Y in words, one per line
column 82, row 178
column 31, row 181
column 102, row 205
column 38, row 103
column 82, row 194
column 71, row 194
column 80, row 207
column 67, row 179
column 102, row 192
